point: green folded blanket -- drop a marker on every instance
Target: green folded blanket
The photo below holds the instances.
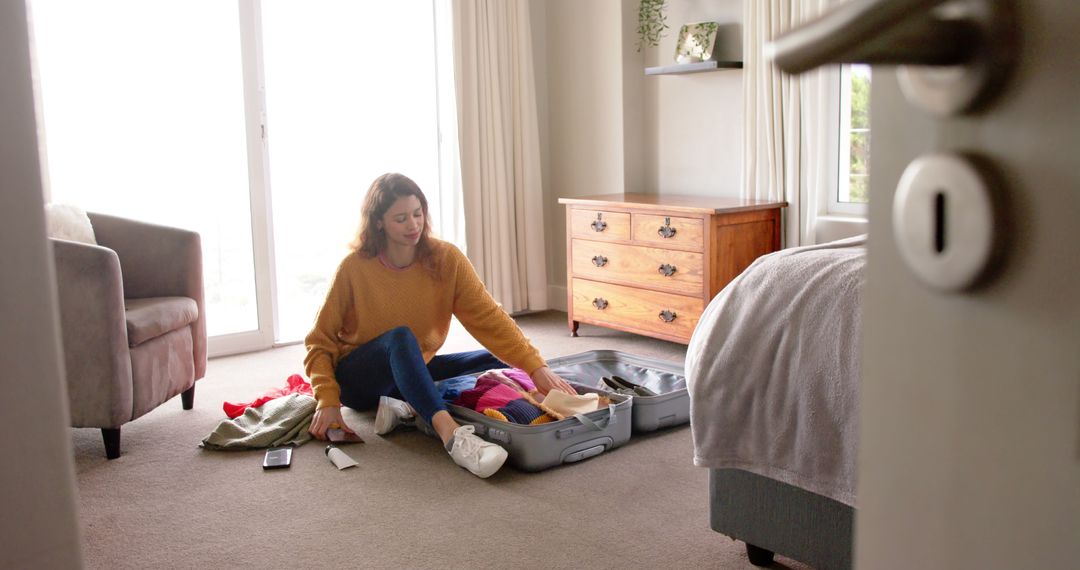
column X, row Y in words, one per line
column 279, row 422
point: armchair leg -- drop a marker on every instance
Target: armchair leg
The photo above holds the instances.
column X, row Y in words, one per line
column 187, row 397
column 112, row 442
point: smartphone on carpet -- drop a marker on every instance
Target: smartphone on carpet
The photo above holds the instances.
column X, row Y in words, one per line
column 277, row 458
column 341, row 436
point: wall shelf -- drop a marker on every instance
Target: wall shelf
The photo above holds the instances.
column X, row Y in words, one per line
column 693, row 67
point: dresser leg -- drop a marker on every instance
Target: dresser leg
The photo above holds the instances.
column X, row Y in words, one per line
column 573, row 328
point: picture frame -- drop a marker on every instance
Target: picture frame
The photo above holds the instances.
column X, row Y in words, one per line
column 696, row 42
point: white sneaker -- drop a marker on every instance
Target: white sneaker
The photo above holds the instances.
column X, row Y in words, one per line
column 391, row 413
column 481, row 458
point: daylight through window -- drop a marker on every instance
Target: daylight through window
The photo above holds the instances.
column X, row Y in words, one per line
column 854, row 153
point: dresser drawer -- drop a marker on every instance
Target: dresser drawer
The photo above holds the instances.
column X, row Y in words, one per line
column 670, row 270
column 659, row 255
column 636, row 308
column 669, row 231
column 599, row 224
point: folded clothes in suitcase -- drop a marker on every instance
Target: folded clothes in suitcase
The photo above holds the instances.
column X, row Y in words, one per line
column 670, row 406
column 537, row 447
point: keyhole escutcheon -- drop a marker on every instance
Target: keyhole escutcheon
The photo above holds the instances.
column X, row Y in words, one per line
column 944, row 220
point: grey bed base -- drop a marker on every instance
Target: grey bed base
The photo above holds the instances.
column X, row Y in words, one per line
column 774, row 517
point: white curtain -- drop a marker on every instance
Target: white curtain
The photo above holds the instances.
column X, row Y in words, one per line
column 786, row 131
column 500, row 150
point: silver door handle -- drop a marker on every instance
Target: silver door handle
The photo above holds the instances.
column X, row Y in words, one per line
column 877, row 31
column 975, row 40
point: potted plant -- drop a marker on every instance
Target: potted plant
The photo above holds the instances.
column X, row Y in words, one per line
column 651, row 23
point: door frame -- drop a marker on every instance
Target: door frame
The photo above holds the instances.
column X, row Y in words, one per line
column 262, row 231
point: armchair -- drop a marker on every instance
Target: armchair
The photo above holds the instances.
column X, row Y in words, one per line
column 133, row 321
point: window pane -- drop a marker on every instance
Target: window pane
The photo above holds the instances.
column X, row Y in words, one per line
column 854, row 134
column 860, row 96
column 350, row 94
column 144, row 118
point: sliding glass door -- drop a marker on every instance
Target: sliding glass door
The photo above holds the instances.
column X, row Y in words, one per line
column 144, row 117
column 258, row 124
column 350, row 95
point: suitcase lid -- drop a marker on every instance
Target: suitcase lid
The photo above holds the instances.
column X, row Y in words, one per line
column 587, row 368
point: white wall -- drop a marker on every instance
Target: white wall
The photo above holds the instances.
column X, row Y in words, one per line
column 584, row 112
column 606, row 128
column 38, row 528
column 695, row 121
column 637, row 146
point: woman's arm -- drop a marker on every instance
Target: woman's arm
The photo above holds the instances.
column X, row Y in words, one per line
column 323, row 353
column 488, row 323
column 485, row 319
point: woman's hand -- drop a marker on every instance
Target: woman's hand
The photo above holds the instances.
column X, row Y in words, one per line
column 546, row 381
column 327, row 418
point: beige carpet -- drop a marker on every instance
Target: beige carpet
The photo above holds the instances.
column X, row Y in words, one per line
column 166, row 503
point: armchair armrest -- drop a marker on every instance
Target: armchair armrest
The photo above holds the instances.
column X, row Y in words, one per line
column 94, row 332
column 158, row 261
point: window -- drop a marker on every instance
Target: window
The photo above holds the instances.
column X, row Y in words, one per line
column 261, row 132
column 342, row 108
column 853, row 164
column 143, row 121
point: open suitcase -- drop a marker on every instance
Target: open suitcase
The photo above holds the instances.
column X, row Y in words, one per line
column 671, row 405
column 534, row 448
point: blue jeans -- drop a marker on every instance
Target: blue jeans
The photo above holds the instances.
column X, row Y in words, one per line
column 392, row 365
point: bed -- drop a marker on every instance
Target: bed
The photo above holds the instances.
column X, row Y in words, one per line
column 773, row 375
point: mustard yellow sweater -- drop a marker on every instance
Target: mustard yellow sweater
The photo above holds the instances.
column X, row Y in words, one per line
column 367, row 299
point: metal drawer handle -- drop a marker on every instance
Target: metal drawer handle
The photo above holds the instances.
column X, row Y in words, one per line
column 599, row 260
column 598, row 224
column 600, row 303
column 667, row 270
column 667, row 316
column 666, row 231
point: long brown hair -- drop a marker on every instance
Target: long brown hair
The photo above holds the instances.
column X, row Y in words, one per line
column 370, row 240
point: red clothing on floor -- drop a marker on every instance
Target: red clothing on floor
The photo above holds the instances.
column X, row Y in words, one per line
column 295, row 384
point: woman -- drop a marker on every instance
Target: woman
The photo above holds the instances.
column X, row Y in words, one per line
column 387, row 313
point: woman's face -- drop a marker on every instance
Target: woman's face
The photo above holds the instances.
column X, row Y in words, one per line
column 404, row 221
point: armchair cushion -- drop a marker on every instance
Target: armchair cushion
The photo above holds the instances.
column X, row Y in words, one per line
column 154, row 316
column 141, row 249
column 68, row 222
column 161, row 368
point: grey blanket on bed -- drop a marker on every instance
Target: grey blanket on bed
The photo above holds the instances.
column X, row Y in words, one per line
column 773, row 370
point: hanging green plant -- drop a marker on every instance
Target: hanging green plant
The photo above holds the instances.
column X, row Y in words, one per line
column 651, row 23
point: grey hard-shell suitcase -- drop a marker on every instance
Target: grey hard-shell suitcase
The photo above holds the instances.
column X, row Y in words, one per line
column 533, row 448
column 671, row 405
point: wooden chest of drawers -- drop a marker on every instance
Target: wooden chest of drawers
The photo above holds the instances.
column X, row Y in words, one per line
column 650, row 264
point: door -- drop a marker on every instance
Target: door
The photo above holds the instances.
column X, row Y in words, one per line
column 142, row 122
column 969, row 453
column 178, row 132
column 343, row 108
column 970, row 433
